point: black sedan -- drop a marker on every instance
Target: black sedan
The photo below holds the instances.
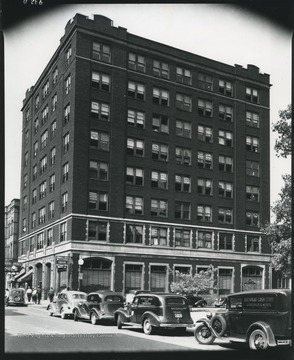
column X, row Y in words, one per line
column 99, row 306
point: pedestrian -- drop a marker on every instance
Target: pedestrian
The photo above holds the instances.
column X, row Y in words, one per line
column 7, row 292
column 39, row 294
column 51, row 294
column 34, row 295
column 29, row 293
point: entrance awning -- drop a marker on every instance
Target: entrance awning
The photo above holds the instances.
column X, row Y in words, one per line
column 22, row 272
column 27, row 276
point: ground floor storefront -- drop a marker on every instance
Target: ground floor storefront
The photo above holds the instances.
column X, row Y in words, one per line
column 125, row 268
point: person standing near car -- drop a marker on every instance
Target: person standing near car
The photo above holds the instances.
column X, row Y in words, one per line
column 7, row 292
column 39, row 294
column 29, row 293
column 34, row 295
column 51, row 294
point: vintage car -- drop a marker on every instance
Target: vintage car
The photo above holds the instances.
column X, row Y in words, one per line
column 261, row 318
column 98, row 306
column 155, row 311
column 132, row 293
column 220, row 302
column 16, row 297
column 64, row 303
column 196, row 301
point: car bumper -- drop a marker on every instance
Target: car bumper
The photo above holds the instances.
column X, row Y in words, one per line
column 284, row 342
column 175, row 325
column 107, row 317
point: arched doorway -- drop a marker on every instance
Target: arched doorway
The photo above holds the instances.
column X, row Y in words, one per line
column 96, row 274
column 252, row 278
column 47, row 279
column 38, row 275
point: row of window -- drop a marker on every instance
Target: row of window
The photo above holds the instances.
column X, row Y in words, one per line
column 43, row 213
column 158, row 236
column 206, row 81
column 51, row 131
column 135, row 147
column 102, row 81
column 45, row 90
column 134, row 205
column 173, row 237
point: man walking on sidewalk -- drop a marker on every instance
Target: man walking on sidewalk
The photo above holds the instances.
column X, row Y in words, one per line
column 29, row 294
column 51, row 294
column 39, row 294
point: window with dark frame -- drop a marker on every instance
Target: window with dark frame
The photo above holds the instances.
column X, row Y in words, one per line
column 137, row 62
column 159, row 180
column 101, row 52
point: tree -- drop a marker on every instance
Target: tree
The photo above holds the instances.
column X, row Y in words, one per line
column 279, row 232
column 283, row 144
column 187, row 284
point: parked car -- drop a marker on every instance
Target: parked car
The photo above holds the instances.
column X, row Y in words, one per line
column 220, row 302
column 16, row 297
column 98, row 306
column 262, row 318
column 196, row 301
column 156, row 310
column 64, row 303
column 132, row 293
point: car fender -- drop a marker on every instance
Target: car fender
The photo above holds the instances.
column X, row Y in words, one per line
column 154, row 319
column 267, row 330
column 207, row 323
column 77, row 310
column 52, row 307
column 96, row 311
column 124, row 316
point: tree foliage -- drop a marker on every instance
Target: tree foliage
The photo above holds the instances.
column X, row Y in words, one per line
column 188, row 284
column 279, row 232
column 283, row 144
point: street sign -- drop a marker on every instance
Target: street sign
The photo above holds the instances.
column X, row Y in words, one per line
column 61, row 260
column 61, row 267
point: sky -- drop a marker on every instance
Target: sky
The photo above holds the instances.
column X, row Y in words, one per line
column 222, row 32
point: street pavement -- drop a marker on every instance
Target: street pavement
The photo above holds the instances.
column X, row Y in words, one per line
column 31, row 329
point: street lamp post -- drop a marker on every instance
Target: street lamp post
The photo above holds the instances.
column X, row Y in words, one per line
column 81, row 263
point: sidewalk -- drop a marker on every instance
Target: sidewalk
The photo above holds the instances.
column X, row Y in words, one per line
column 43, row 304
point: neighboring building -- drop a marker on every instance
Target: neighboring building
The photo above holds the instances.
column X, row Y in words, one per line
column 140, row 159
column 12, row 230
column 11, row 220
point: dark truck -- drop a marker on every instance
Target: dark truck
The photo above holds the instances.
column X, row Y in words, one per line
column 262, row 318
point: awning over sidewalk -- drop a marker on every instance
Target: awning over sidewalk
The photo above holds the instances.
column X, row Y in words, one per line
column 27, row 276
column 22, row 272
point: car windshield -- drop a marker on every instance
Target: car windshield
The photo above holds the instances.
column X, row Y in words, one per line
column 113, row 298
column 79, row 296
column 175, row 301
column 17, row 291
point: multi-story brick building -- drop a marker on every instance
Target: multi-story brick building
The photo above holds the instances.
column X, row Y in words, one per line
column 11, row 221
column 140, row 159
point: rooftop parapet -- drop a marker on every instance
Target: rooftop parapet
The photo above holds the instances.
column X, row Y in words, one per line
column 98, row 23
column 252, row 72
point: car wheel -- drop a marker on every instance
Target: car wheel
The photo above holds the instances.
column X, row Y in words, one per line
column 219, row 325
column 204, row 335
column 147, row 327
column 94, row 319
column 119, row 322
column 62, row 314
column 75, row 315
column 258, row 340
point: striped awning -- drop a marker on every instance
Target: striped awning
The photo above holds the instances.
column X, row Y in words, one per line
column 27, row 276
